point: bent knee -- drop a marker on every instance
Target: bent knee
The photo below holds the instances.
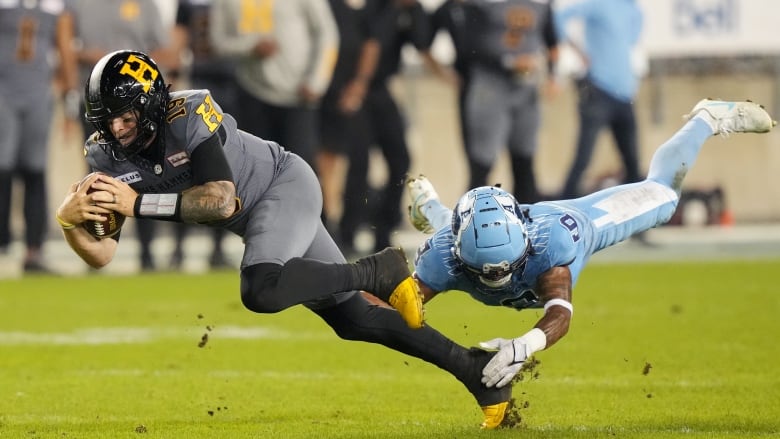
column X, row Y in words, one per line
column 258, row 288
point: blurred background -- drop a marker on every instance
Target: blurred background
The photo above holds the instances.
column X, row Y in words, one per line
column 689, row 50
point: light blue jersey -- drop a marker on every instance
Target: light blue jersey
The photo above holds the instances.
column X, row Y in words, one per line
column 568, row 232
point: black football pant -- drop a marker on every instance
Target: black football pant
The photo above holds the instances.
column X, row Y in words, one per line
column 358, row 320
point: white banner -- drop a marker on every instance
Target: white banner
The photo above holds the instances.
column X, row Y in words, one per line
column 684, row 28
column 690, row 28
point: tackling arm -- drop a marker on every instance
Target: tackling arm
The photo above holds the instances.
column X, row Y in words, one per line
column 554, row 288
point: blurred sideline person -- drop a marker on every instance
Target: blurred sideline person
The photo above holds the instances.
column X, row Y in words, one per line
column 512, row 43
column 286, row 51
column 450, row 16
column 394, row 24
column 342, row 122
column 521, row 256
column 107, row 25
column 215, row 74
column 29, row 34
column 213, row 173
column 607, row 91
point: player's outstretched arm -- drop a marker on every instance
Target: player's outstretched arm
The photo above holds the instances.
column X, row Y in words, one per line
column 554, row 288
column 78, row 207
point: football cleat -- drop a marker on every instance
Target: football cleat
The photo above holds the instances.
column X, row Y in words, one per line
column 493, row 401
column 392, row 282
column 421, row 191
column 494, row 415
column 734, row 117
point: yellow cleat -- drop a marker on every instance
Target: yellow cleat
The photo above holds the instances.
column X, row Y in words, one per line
column 407, row 300
column 387, row 276
column 494, row 415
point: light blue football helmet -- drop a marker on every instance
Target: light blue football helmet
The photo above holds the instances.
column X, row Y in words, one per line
column 491, row 238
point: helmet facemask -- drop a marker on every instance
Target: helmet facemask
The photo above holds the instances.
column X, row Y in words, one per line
column 145, row 128
column 496, row 275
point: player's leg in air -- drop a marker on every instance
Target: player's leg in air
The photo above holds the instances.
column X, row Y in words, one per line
column 625, row 210
column 619, row 212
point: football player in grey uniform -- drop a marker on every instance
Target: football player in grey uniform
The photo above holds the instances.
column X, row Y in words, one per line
column 176, row 156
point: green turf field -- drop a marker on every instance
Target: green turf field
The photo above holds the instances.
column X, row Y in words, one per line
column 663, row 351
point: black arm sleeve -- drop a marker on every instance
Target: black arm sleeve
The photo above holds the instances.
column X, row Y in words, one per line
column 209, row 162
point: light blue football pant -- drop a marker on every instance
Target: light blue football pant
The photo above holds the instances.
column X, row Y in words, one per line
column 617, row 213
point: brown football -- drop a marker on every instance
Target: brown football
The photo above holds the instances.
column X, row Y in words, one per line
column 110, row 226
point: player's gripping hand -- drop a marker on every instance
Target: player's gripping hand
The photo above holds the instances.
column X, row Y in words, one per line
column 510, row 357
column 506, row 363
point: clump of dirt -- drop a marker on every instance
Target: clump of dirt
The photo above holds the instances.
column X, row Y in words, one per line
column 205, row 338
column 513, row 418
column 219, row 409
column 645, row 371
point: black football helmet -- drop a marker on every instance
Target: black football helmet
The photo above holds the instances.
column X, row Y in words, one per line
column 122, row 81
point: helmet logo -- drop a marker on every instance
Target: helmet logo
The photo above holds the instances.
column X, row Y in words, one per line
column 144, row 73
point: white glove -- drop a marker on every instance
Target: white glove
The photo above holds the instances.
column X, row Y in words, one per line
column 506, row 363
column 510, row 357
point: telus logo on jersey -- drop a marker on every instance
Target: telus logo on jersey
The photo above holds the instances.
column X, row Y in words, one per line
column 130, row 177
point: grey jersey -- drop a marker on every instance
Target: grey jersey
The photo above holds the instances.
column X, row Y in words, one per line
column 307, row 39
column 193, row 116
column 27, row 38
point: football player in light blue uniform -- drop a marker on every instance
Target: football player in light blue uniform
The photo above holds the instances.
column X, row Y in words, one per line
column 503, row 253
column 177, row 157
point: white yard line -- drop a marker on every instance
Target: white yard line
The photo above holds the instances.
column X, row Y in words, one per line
column 131, row 335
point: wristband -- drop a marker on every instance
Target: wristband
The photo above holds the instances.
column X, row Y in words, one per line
column 65, row 225
column 559, row 302
column 534, row 340
column 160, row 206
